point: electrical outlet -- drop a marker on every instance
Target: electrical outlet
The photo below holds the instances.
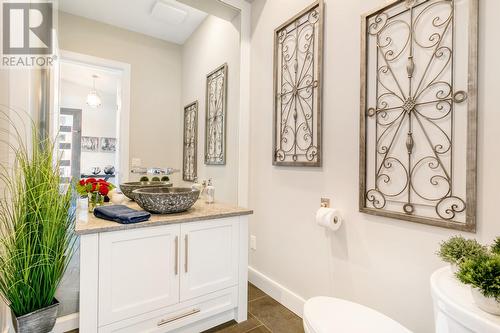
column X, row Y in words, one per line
column 253, row 242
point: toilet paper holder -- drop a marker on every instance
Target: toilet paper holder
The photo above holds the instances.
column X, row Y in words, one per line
column 325, row 202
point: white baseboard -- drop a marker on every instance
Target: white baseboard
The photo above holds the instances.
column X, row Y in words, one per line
column 286, row 297
column 66, row 323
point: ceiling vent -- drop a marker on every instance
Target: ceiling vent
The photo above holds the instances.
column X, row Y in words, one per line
column 166, row 11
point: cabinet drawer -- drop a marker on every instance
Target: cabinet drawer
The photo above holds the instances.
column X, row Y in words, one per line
column 177, row 316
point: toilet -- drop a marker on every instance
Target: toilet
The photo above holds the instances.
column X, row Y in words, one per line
column 333, row 315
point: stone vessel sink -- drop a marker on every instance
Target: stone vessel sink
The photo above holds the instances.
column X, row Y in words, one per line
column 128, row 188
column 166, row 200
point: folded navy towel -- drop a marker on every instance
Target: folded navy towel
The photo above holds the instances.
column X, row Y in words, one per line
column 121, row 214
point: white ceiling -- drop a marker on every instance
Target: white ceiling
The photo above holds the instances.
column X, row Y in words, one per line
column 82, row 75
column 135, row 15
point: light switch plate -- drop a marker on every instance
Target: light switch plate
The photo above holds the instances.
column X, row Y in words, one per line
column 253, row 242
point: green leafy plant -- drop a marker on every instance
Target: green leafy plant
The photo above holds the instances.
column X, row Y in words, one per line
column 36, row 224
column 482, row 272
column 495, row 248
column 457, row 249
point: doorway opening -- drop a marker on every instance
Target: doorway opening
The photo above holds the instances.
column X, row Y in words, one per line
column 93, row 140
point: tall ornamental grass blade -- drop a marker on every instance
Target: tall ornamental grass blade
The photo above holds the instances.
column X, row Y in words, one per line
column 36, row 224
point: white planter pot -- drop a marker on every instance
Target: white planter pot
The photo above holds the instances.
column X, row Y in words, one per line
column 487, row 304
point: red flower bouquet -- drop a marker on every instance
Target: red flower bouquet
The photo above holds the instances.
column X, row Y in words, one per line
column 95, row 190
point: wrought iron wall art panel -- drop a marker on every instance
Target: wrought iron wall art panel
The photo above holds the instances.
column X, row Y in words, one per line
column 190, row 159
column 216, row 105
column 298, row 57
column 419, row 112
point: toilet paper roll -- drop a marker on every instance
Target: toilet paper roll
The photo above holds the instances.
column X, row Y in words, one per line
column 329, row 218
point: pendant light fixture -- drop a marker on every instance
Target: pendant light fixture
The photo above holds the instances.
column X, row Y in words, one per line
column 93, row 98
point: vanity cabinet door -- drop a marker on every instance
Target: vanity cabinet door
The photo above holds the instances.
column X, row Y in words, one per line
column 209, row 257
column 138, row 272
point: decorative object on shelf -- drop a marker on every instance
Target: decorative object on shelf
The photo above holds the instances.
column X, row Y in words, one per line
column 144, row 179
column 419, row 112
column 165, row 179
column 95, row 190
column 216, row 105
column 190, row 159
column 109, row 170
column 154, row 171
column 90, row 144
column 107, row 145
column 298, row 62
column 95, row 170
column 457, row 249
column 93, row 98
column 36, row 229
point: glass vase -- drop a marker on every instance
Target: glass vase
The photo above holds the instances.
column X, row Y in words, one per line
column 95, row 200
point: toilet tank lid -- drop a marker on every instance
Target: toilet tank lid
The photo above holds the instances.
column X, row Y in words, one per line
column 327, row 314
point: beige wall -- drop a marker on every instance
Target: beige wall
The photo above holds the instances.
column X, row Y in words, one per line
column 379, row 262
column 214, row 43
column 155, row 135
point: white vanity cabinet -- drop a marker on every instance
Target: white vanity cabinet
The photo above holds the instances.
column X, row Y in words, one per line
column 175, row 277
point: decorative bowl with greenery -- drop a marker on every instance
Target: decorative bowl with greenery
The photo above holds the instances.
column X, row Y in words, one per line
column 36, row 232
column 482, row 273
column 458, row 249
column 478, row 266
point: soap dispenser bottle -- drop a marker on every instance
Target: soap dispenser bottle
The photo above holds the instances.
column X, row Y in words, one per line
column 210, row 192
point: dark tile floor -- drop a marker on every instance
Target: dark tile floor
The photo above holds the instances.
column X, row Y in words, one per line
column 265, row 315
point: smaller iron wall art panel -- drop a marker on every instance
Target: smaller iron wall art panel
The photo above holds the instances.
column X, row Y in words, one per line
column 419, row 112
column 189, row 165
column 216, row 104
column 298, row 48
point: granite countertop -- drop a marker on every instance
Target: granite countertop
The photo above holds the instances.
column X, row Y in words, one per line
column 87, row 223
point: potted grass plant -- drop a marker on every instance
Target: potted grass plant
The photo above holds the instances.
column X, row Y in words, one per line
column 458, row 249
column 495, row 247
column 36, row 233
